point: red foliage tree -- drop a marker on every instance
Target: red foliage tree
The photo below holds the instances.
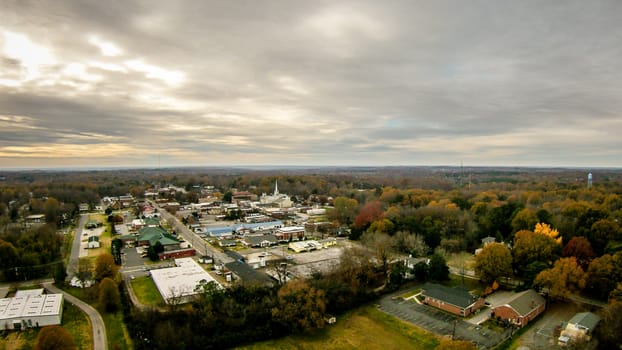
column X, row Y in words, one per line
column 54, row 338
column 371, row 212
column 580, row 248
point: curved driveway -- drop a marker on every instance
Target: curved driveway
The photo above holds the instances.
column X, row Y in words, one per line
column 100, row 341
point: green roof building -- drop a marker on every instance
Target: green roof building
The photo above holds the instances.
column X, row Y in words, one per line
column 151, row 235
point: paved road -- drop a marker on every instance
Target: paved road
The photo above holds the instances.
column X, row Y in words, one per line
column 100, row 340
column 198, row 243
column 72, row 268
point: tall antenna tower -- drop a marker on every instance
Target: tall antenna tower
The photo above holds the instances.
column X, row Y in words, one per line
column 461, row 173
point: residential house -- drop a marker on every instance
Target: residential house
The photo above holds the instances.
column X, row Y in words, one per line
column 488, row 240
column 522, row 308
column 137, row 224
column 411, row 262
column 227, row 243
column 93, row 242
column 455, row 300
column 580, row 327
column 259, row 241
column 35, row 219
column 485, row 242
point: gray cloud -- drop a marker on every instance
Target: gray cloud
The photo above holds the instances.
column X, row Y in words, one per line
column 293, row 83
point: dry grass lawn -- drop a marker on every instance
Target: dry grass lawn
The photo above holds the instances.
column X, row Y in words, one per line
column 365, row 328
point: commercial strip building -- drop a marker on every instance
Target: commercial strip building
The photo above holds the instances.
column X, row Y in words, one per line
column 178, row 284
column 309, row 245
column 31, row 308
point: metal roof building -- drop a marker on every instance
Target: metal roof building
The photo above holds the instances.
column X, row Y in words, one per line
column 31, row 309
column 177, row 284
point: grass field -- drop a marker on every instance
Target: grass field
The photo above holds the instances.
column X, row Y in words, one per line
column 411, row 293
column 364, row 328
column 462, row 260
column 118, row 336
column 74, row 321
column 147, row 292
column 78, row 325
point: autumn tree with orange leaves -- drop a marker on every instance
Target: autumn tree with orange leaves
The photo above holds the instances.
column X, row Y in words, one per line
column 541, row 245
column 370, row 212
column 565, row 278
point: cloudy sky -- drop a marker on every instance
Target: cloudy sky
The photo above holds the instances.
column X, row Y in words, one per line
column 170, row 83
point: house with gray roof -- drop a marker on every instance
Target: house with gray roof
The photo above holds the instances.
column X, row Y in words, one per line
column 259, row 241
column 522, row 308
column 248, row 275
column 579, row 327
column 456, row 300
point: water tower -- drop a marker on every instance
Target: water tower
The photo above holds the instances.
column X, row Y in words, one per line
column 589, row 180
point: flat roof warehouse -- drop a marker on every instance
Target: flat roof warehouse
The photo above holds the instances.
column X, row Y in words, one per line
column 177, row 284
column 31, row 308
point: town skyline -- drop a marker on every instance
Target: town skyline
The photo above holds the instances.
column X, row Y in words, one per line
column 192, row 84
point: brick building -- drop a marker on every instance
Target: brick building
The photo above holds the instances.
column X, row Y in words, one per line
column 522, row 308
column 456, row 300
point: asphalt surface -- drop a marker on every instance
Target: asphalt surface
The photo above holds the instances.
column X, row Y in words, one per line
column 100, row 340
column 72, row 268
column 198, row 243
column 439, row 322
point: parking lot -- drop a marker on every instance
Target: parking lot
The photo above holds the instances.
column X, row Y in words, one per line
column 439, row 322
column 543, row 334
column 323, row 260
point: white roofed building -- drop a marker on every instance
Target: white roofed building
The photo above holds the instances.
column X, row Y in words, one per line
column 177, row 284
column 31, row 308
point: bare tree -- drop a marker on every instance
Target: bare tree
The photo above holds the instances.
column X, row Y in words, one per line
column 175, row 298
